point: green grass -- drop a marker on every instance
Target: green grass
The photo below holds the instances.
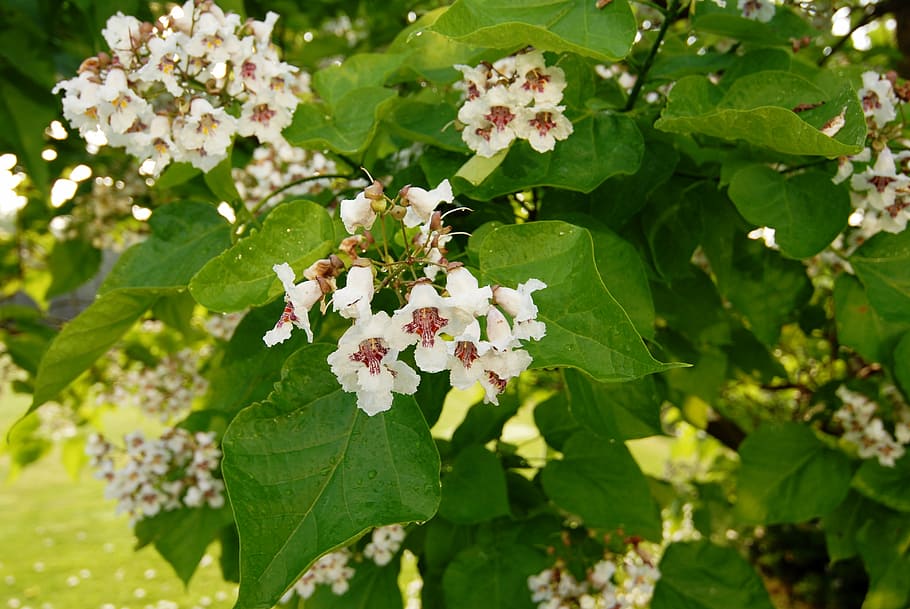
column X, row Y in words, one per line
column 62, row 546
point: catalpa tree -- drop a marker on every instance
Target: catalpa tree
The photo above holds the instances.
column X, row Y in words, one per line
column 569, row 304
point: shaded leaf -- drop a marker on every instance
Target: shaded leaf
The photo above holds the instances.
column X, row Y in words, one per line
column 492, row 577
column 475, row 489
column 617, row 411
column 306, row 472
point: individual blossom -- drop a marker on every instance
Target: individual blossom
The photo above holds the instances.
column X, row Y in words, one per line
column 489, row 121
column 424, row 319
column 299, row 299
column 421, row 202
column 520, row 305
column 878, row 98
column 757, row 10
column 537, row 82
column 353, row 300
column 881, row 183
column 366, row 363
column 357, row 212
column 542, row 126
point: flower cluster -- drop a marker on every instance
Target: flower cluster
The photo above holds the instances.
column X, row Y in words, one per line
column 334, row 569
column 56, row 422
column 165, row 391
column 150, row 476
column 868, row 432
column 515, row 98
column 164, row 90
column 881, row 190
column 442, row 321
column 625, row 584
column 275, row 166
column 222, row 325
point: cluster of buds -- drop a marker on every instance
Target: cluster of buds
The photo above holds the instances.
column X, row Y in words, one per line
column 881, row 191
column 627, row 583
column 867, row 431
column 279, row 164
column 165, row 392
column 150, row 476
column 515, row 98
column 334, row 569
column 441, row 320
column 165, row 89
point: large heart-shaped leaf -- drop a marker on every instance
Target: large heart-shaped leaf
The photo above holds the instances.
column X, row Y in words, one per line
column 307, row 472
column 789, row 475
column 586, row 327
column 298, row 232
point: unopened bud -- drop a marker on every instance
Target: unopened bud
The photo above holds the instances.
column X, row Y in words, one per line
column 374, row 191
column 378, row 205
column 398, row 212
column 91, row 64
column 403, row 195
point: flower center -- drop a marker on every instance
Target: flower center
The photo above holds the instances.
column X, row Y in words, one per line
column 535, row 80
column 494, row 380
column 881, row 182
column 543, row 122
column 370, row 353
column 500, row 116
column 871, row 101
column 263, row 114
column 466, row 352
column 425, row 323
column 248, row 70
column 207, row 124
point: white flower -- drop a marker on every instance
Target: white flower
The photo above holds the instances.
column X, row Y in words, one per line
column 299, row 299
column 488, row 121
column 421, row 203
column 881, row 182
column 520, row 305
column 878, row 98
column 121, row 32
column 542, row 126
column 264, row 119
column 425, row 316
column 465, row 292
column 357, row 212
column 757, row 10
column 353, row 300
column 366, row 363
column 536, row 82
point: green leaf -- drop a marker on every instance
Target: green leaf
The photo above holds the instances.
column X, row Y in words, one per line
column 673, row 226
column 616, row 411
column 883, row 543
column 186, row 235
column 347, row 127
column 902, row 363
column 429, row 55
column 859, row 326
column 765, row 287
column 788, row 475
column 484, row 422
column 555, row 421
column 221, row 182
column 307, row 472
column 248, row 368
column 887, row 485
column 31, row 109
column 601, row 146
column 372, row 587
column 758, row 108
column 176, row 174
column 492, row 577
column 71, row 264
column 601, row 483
column 594, row 334
column 843, row 524
column 182, row 536
column 475, row 490
column 358, row 72
column 883, row 265
column 728, row 21
column 701, row 575
column 430, row 123
column 86, row 338
column 298, row 232
column 806, row 210
column 553, row 25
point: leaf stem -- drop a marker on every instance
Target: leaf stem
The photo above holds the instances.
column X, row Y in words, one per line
column 670, row 16
column 277, row 191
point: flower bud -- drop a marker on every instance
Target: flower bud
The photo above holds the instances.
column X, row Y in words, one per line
column 374, row 191
column 398, row 212
column 378, row 205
